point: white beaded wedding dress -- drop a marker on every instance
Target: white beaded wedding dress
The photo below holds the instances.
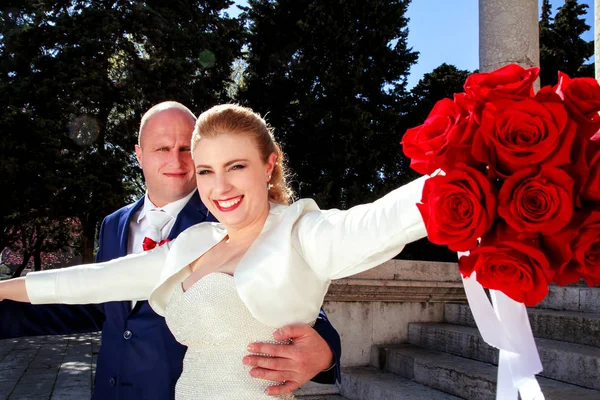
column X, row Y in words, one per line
column 213, row 322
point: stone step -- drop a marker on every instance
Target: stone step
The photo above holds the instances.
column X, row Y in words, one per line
column 578, row 297
column 566, row 326
column 567, row 362
column 468, row 379
column 310, row 389
column 368, row 383
column 399, row 281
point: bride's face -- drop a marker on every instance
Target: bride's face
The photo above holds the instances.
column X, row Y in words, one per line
column 232, row 179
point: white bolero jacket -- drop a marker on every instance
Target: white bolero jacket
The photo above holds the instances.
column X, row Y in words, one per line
column 282, row 278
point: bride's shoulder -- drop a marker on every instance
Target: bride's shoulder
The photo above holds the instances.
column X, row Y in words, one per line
column 299, row 207
column 203, row 230
column 193, row 242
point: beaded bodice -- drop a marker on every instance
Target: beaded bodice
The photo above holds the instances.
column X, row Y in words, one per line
column 213, row 322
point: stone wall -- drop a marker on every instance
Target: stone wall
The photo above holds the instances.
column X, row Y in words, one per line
column 375, row 307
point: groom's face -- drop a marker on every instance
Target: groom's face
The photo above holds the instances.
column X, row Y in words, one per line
column 165, row 158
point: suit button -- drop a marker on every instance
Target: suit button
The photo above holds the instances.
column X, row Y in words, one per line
column 127, row 334
column 112, row 382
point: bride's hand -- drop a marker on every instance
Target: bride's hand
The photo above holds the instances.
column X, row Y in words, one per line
column 296, row 363
column 14, row 289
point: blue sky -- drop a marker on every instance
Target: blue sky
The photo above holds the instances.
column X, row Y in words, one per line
column 450, row 33
column 446, row 31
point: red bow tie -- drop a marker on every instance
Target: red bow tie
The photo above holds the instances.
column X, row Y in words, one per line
column 149, row 244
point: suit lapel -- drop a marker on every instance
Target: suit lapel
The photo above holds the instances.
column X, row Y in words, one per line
column 124, row 241
column 124, row 227
column 193, row 213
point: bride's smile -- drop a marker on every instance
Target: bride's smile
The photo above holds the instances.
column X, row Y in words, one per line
column 229, row 204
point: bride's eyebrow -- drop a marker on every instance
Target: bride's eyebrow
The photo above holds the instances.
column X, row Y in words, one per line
column 227, row 164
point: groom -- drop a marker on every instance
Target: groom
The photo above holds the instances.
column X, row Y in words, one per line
column 139, row 357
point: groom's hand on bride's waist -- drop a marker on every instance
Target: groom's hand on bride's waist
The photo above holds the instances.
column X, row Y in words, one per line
column 296, row 363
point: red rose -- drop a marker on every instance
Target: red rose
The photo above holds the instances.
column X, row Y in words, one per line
column 458, row 207
column 465, row 103
column 537, row 200
column 578, row 169
column 469, row 106
column 511, row 263
column 586, row 249
column 582, row 101
column 591, row 188
column 557, row 248
column 517, row 134
column 509, row 82
column 443, row 140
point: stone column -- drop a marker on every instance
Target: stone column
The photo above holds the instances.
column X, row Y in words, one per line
column 597, row 37
column 508, row 33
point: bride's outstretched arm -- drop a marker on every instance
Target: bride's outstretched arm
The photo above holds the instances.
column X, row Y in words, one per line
column 339, row 243
column 14, row 289
column 127, row 278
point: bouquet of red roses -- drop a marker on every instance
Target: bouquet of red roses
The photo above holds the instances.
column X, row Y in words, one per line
column 521, row 190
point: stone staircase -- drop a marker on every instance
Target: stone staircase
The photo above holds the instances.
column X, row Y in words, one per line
column 450, row 360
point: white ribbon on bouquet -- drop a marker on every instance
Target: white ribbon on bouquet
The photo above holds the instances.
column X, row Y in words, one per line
column 504, row 324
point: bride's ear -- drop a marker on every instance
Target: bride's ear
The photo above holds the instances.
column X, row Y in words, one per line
column 271, row 161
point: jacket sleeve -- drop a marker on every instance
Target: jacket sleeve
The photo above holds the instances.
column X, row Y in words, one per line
column 331, row 336
column 101, row 254
column 127, row 278
column 339, row 243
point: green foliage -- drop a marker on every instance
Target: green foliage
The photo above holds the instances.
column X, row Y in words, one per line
column 76, row 77
column 329, row 77
column 443, row 82
column 546, row 17
column 561, row 45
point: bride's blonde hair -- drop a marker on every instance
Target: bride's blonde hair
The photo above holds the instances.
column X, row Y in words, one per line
column 232, row 118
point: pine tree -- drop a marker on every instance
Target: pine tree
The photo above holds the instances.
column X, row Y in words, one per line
column 561, row 45
column 329, row 77
column 443, row 82
column 78, row 76
column 546, row 17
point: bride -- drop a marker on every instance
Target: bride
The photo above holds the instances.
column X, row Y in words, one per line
column 267, row 264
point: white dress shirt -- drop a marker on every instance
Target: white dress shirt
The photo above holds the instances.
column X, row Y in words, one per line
column 138, row 224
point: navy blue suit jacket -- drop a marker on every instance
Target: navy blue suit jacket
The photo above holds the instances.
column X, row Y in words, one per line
column 139, row 357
